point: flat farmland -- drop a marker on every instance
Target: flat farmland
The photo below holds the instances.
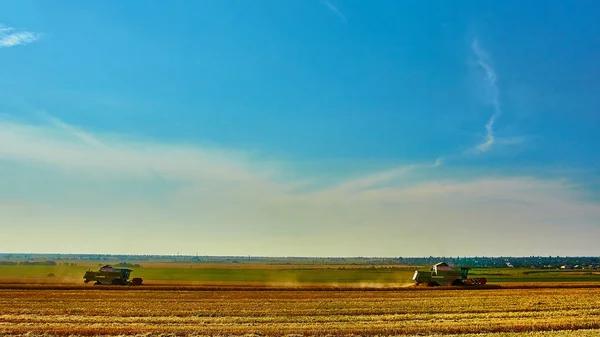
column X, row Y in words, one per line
column 255, row 274
column 280, row 300
column 219, row 274
column 76, row 310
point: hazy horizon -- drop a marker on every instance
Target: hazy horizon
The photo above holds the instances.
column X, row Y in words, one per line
column 308, row 256
column 300, row 128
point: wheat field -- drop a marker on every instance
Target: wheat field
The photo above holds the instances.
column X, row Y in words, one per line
column 89, row 311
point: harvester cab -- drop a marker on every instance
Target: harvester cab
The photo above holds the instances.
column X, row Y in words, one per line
column 107, row 275
column 463, row 272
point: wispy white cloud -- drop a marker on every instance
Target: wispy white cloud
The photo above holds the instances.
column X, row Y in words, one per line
column 382, row 178
column 484, row 62
column 64, row 146
column 85, row 137
column 335, row 10
column 10, row 37
column 217, row 201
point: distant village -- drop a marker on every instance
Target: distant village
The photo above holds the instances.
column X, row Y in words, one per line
column 533, row 262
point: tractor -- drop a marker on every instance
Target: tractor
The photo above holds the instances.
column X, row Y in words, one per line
column 108, row 275
column 441, row 274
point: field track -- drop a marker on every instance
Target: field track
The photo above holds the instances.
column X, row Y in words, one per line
column 499, row 310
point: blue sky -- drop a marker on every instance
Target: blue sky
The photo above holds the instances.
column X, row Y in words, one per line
column 300, row 127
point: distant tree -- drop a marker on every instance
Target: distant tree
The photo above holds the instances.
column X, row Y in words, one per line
column 128, row 265
column 8, row 263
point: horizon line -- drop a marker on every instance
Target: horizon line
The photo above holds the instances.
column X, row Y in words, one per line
column 305, row 257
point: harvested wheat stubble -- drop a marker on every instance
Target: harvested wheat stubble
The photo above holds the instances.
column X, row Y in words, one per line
column 81, row 312
column 561, row 333
column 236, row 286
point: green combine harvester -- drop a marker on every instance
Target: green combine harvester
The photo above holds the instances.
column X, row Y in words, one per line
column 108, row 275
column 441, row 274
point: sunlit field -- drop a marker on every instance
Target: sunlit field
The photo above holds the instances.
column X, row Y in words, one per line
column 194, row 273
column 89, row 311
column 280, row 300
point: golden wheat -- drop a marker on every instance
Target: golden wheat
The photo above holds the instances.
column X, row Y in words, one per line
column 90, row 311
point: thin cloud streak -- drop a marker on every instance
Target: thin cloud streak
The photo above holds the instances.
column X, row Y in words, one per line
column 490, row 78
column 53, row 145
column 380, row 179
column 335, row 10
column 82, row 135
column 9, row 37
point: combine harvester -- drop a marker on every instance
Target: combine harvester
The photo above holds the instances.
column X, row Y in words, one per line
column 441, row 274
column 108, row 275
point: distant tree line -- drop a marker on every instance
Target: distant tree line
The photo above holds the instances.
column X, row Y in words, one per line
column 28, row 263
column 476, row 262
column 537, row 262
column 128, row 265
